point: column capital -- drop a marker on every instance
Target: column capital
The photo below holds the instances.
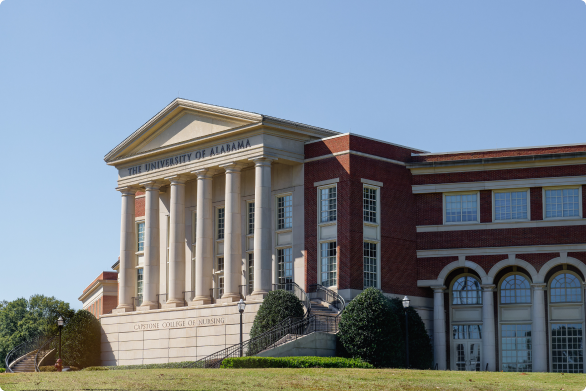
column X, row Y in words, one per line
column 128, row 190
column 152, row 185
column 488, row 287
column 205, row 173
column 438, row 288
column 232, row 167
column 539, row 286
column 263, row 160
column 178, row 179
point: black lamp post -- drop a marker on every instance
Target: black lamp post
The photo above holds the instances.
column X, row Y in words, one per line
column 405, row 306
column 59, row 364
column 241, row 307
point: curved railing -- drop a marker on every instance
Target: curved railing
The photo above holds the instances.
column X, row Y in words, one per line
column 297, row 291
column 318, row 291
column 288, row 330
column 27, row 347
column 50, row 344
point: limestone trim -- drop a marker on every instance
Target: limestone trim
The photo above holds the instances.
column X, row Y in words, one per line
column 367, row 138
column 562, row 259
column 513, row 261
column 454, row 252
column 504, row 225
column 349, row 151
column 371, row 182
column 326, row 182
column 500, row 184
column 449, row 268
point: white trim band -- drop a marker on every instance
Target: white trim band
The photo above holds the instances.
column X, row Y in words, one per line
column 354, row 153
column 502, row 225
column 454, row 252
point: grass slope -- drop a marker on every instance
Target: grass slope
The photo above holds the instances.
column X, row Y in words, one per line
column 290, row 379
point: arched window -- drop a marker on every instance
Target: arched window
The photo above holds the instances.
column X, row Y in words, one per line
column 565, row 288
column 466, row 290
column 515, row 289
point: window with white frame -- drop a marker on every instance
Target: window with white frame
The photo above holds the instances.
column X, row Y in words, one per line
column 466, row 290
column 516, row 347
column 220, row 265
column 461, row 207
column 511, row 205
column 565, row 288
column 328, row 204
column 250, row 218
column 369, row 202
column 140, row 236
column 515, row 289
column 285, row 267
column 220, row 220
column 562, row 203
column 250, row 273
column 329, row 264
column 139, row 285
column 370, row 265
column 285, row 212
column 168, row 245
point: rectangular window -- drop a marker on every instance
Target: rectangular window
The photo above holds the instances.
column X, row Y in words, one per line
column 370, row 272
column 328, row 204
column 139, row 282
column 562, row 203
column 221, row 223
column 461, row 208
column 220, row 264
column 510, row 205
column 251, row 218
column 468, row 331
column 285, row 212
column 285, row 264
column 369, row 205
column 566, row 348
column 250, row 273
column 329, row 264
column 220, row 286
column 140, row 229
column 516, row 347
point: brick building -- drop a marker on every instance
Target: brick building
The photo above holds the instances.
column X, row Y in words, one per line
column 220, row 204
column 101, row 296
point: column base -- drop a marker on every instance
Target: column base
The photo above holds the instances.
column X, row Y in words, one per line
column 146, row 306
column 173, row 304
column 260, row 296
column 228, row 299
column 196, row 302
column 122, row 309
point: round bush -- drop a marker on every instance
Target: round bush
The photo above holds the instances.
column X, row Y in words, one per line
column 276, row 307
column 420, row 349
column 81, row 340
column 370, row 330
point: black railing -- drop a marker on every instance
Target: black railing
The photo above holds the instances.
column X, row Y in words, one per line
column 159, row 299
column 318, row 291
column 27, row 347
column 52, row 343
column 244, row 291
column 184, row 299
column 216, row 293
column 297, row 291
column 288, row 330
column 136, row 302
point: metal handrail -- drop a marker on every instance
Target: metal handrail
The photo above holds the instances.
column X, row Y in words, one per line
column 297, row 291
column 22, row 350
column 43, row 349
column 243, row 290
column 288, row 330
column 159, row 299
column 318, row 291
column 214, row 296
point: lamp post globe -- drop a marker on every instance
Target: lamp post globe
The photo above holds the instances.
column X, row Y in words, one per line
column 241, row 307
column 405, row 302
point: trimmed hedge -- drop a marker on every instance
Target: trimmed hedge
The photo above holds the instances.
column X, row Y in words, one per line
column 82, row 340
column 2, row 370
column 294, row 362
column 171, row 365
column 276, row 307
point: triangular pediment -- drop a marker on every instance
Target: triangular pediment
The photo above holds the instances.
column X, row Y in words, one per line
column 179, row 123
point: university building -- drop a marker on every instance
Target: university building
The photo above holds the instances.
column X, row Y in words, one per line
column 221, row 204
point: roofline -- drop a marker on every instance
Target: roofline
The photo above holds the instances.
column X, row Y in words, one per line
column 497, row 149
column 116, row 264
column 368, row 138
column 90, row 289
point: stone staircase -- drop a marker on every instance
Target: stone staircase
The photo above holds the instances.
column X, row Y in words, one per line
column 322, row 308
column 25, row 363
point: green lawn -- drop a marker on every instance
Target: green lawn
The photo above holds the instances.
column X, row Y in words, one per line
column 289, row 379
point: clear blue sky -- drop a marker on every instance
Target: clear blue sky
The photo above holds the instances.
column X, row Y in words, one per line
column 77, row 77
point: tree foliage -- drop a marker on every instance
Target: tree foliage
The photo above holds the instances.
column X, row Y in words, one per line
column 369, row 329
column 22, row 320
column 81, row 340
column 420, row 349
column 276, row 307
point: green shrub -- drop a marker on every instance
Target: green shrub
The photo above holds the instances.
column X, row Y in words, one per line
column 81, row 340
column 171, row 365
column 47, row 368
column 96, row 369
column 420, row 349
column 294, row 362
column 276, row 307
column 2, row 370
column 370, row 330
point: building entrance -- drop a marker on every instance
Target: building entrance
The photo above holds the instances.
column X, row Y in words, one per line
column 467, row 355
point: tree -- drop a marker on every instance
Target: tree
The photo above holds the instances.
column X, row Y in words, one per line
column 22, row 320
column 370, row 330
column 82, row 340
column 276, row 307
column 420, row 349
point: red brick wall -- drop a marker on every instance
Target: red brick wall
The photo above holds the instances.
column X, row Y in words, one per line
column 494, row 175
column 537, row 260
column 502, row 153
column 139, row 207
column 501, row 237
column 429, row 268
column 486, row 206
column 429, row 209
column 110, row 302
column 536, row 196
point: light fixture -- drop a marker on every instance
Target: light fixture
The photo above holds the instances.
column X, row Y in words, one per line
column 60, row 322
column 405, row 302
column 241, row 306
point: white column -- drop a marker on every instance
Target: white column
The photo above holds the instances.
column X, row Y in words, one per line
column 204, row 238
column 488, row 331
column 176, row 243
column 538, row 332
column 151, row 246
column 232, row 233
column 439, row 328
column 127, row 251
column 262, row 226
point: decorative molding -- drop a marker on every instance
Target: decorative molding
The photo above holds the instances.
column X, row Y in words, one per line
column 502, row 225
column 326, row 182
column 371, row 182
column 454, row 252
column 501, row 184
column 313, row 159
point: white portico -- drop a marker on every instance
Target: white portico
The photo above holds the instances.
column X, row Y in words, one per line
column 209, row 179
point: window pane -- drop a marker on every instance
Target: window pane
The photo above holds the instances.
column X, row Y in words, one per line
column 328, row 264
column 461, row 208
column 250, row 218
column 139, row 285
column 511, row 206
column 566, row 348
column 221, row 223
column 565, row 288
column 140, row 237
column 562, row 203
column 250, row 273
column 285, row 212
column 370, row 269
column 328, row 204
column 515, row 289
column 466, row 290
column 285, row 267
column 369, row 205
column 516, row 347
column 220, row 264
